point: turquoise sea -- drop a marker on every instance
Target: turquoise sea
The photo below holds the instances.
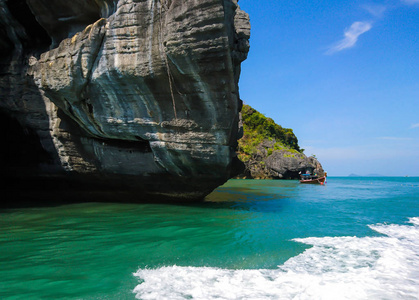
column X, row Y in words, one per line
column 352, row 238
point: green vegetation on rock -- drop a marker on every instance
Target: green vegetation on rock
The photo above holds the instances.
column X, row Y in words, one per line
column 257, row 128
column 270, row 151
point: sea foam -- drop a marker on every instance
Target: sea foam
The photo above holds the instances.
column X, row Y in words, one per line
column 384, row 267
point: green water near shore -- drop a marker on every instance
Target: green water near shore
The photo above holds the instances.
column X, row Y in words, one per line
column 91, row 250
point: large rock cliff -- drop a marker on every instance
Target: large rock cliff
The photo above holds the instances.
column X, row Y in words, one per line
column 135, row 96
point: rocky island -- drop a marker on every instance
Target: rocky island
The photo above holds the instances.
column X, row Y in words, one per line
column 270, row 151
column 132, row 97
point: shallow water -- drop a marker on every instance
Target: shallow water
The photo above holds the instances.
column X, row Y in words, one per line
column 353, row 238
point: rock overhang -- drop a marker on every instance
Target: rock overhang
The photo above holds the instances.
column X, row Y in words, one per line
column 161, row 73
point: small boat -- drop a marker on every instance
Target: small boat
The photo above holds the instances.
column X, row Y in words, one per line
column 313, row 179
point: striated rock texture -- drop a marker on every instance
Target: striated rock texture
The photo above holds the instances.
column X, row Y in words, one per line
column 280, row 164
column 134, row 96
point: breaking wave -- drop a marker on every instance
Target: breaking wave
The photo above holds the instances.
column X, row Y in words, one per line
column 383, row 267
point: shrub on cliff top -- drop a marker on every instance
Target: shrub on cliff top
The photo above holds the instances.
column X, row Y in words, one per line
column 257, row 126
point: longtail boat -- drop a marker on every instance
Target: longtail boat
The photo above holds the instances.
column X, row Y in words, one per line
column 313, row 179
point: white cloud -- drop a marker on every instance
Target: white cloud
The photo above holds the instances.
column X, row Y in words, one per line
column 351, row 36
column 415, row 125
column 376, row 10
column 410, row 2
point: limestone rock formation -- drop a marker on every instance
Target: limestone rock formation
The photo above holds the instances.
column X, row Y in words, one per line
column 270, row 151
column 284, row 165
column 280, row 164
column 134, row 96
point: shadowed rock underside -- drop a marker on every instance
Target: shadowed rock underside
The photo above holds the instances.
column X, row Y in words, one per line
column 133, row 97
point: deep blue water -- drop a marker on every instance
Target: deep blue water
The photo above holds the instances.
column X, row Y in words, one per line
column 352, row 238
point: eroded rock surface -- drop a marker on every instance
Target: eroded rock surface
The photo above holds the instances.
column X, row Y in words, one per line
column 268, row 163
column 130, row 95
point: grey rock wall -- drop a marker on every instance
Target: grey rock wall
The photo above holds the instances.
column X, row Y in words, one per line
column 125, row 95
column 268, row 163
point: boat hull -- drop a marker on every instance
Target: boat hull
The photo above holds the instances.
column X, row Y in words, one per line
column 320, row 180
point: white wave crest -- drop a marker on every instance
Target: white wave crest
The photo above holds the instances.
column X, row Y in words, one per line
column 384, row 267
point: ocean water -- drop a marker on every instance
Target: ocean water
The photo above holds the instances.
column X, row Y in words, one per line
column 353, row 238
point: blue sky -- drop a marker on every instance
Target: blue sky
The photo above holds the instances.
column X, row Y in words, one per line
column 344, row 75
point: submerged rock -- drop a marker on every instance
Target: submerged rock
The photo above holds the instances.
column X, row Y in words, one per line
column 133, row 96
